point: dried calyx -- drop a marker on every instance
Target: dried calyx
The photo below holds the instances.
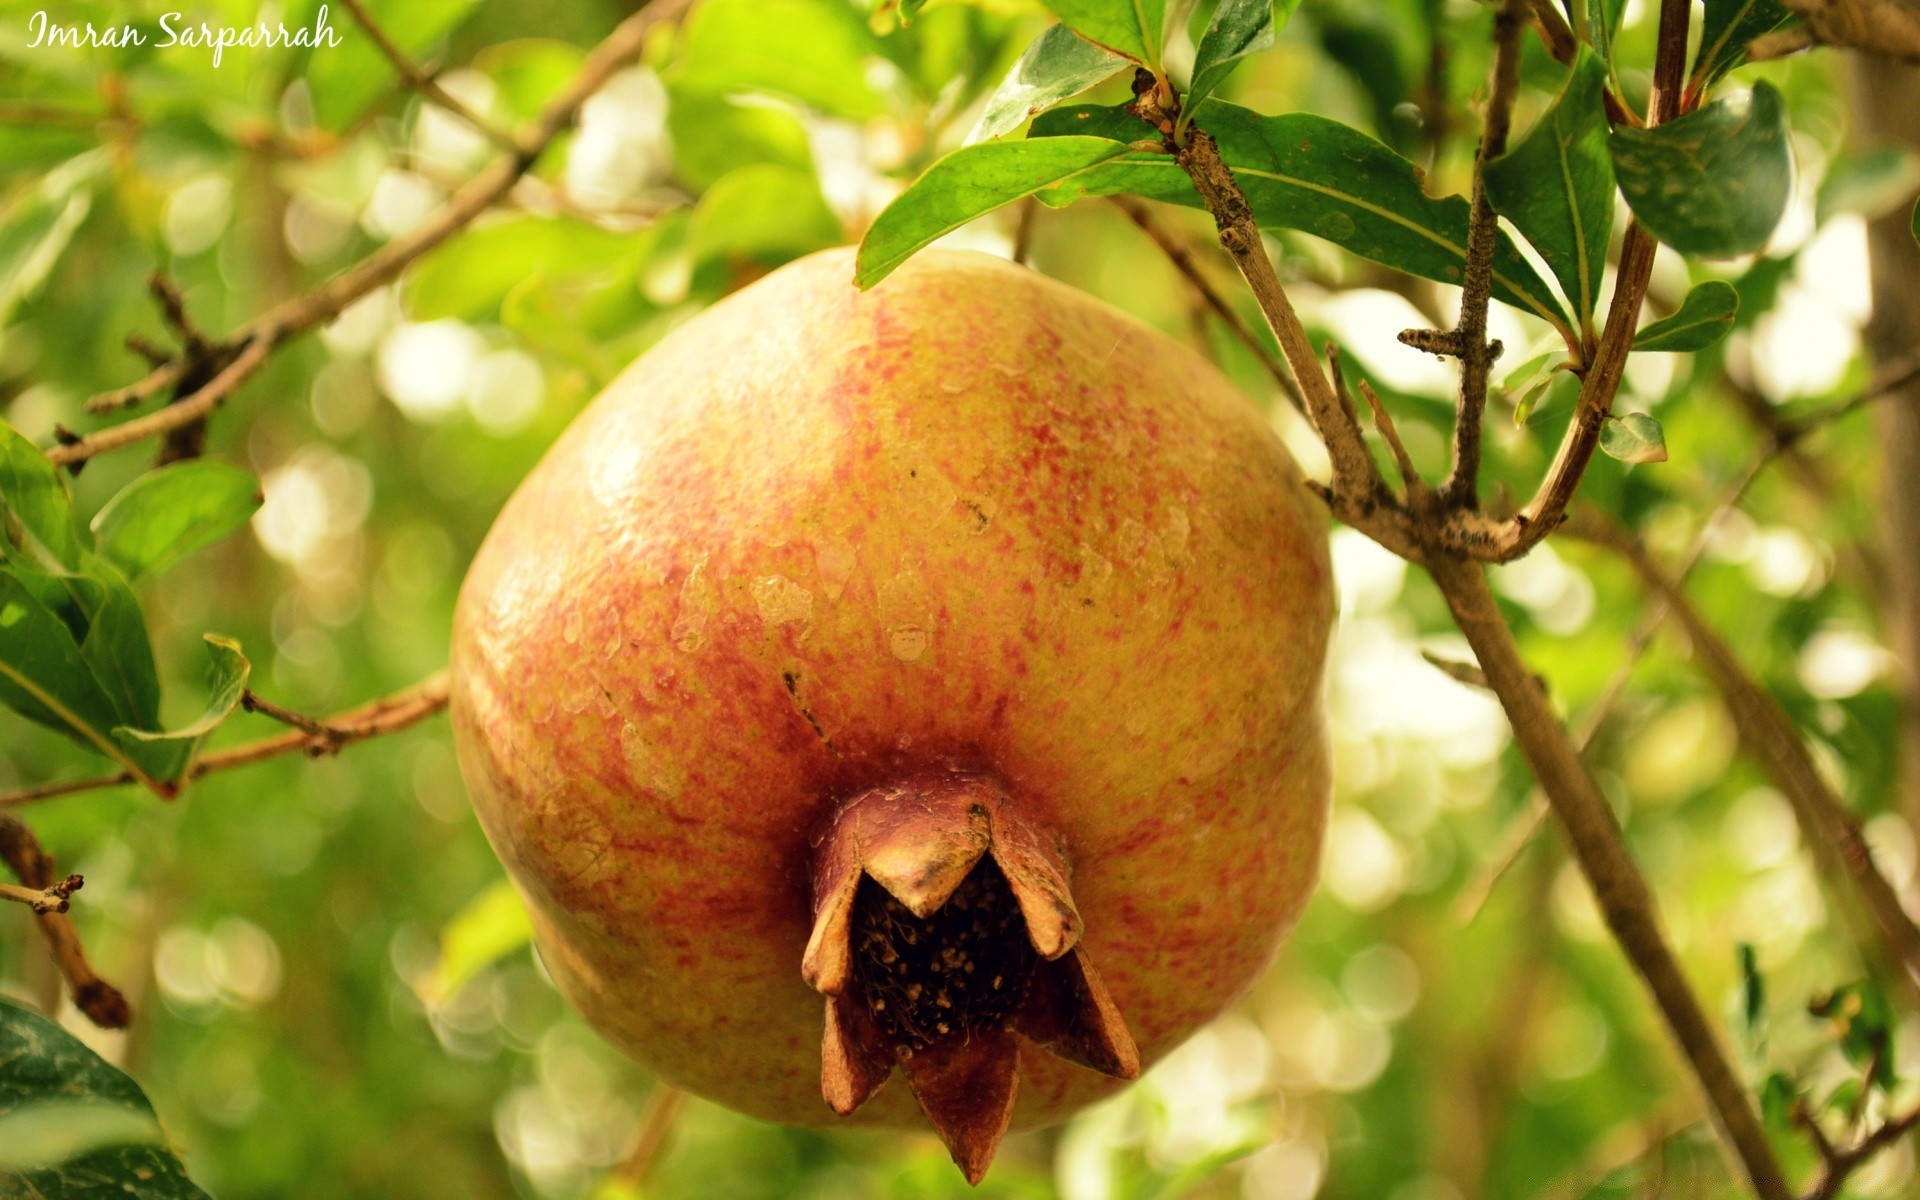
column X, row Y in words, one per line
column 944, row 932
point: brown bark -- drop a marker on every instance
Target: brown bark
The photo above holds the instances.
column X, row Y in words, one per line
column 1886, row 98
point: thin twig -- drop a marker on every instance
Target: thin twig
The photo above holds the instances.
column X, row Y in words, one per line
column 34, row 867
column 53, row 899
column 390, row 714
column 1837, row 1164
column 1470, row 333
column 260, row 337
column 1771, row 737
column 1181, row 256
column 423, row 82
column 656, row 1123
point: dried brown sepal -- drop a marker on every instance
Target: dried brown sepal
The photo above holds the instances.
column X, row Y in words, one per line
column 1069, row 1012
column 945, row 929
column 966, row 1087
column 854, row 1056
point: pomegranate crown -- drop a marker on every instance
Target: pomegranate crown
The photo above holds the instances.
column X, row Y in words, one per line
column 944, row 932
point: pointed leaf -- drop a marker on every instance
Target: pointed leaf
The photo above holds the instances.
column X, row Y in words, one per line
column 1239, row 30
column 1603, row 25
column 968, row 183
column 39, row 226
column 73, row 1126
column 1702, row 319
column 1634, row 438
column 811, row 52
column 116, row 647
column 1714, row 182
column 1728, row 28
column 1058, row 65
column 487, row 928
column 167, row 756
column 1134, row 28
column 165, row 515
column 33, row 493
column 1305, row 172
column 44, row 678
column 1556, row 187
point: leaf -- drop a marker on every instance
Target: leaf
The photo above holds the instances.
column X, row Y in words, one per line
column 713, row 136
column 527, row 74
column 167, row 756
column 1728, row 28
column 1305, row 172
column 1714, row 182
column 968, row 183
column 1702, row 319
column 1239, row 29
column 116, row 648
column 1753, row 991
column 1870, row 183
column 1557, row 187
column 469, row 276
column 35, row 495
column 1132, row 28
column 37, row 228
column 347, row 78
column 812, row 52
column 765, row 212
column 1603, row 25
column 73, row 1127
column 1634, row 438
column 1777, row 1098
column 43, row 676
column 489, row 927
column 167, row 514
column 1058, row 65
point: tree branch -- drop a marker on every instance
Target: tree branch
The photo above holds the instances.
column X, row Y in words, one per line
column 34, row 867
column 390, row 714
column 423, row 82
column 260, row 337
column 1470, row 333
column 1771, row 737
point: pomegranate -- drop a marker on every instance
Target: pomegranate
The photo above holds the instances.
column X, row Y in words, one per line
column 946, row 657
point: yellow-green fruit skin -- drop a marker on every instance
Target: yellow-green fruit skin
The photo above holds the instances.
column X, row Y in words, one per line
column 817, row 539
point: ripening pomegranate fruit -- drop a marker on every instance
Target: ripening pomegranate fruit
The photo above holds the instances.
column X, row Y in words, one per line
column 928, row 678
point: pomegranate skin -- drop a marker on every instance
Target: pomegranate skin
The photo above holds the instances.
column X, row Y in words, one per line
column 817, row 540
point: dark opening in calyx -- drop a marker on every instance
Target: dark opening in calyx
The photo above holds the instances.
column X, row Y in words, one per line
column 944, row 932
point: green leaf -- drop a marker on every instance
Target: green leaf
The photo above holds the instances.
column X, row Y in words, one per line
column 1305, row 172
column 1557, row 187
column 489, row 927
column 713, row 136
column 116, row 648
column 169, row 755
column 44, row 677
column 1239, row 29
column 469, row 276
column 73, row 1127
column 36, row 229
column 1872, row 183
column 347, row 78
column 167, row 514
column 1603, row 25
column 1777, row 1098
column 812, row 52
column 1714, row 182
column 1134, row 29
column 1753, row 991
column 34, row 495
column 970, row 182
column 767, row 212
column 1634, row 438
column 1702, row 319
column 1058, row 65
column 527, row 74
column 1728, row 29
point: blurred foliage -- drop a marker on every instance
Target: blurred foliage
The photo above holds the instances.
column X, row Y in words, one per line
column 334, row 991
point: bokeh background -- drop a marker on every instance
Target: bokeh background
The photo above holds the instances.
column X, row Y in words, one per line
column 335, row 995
